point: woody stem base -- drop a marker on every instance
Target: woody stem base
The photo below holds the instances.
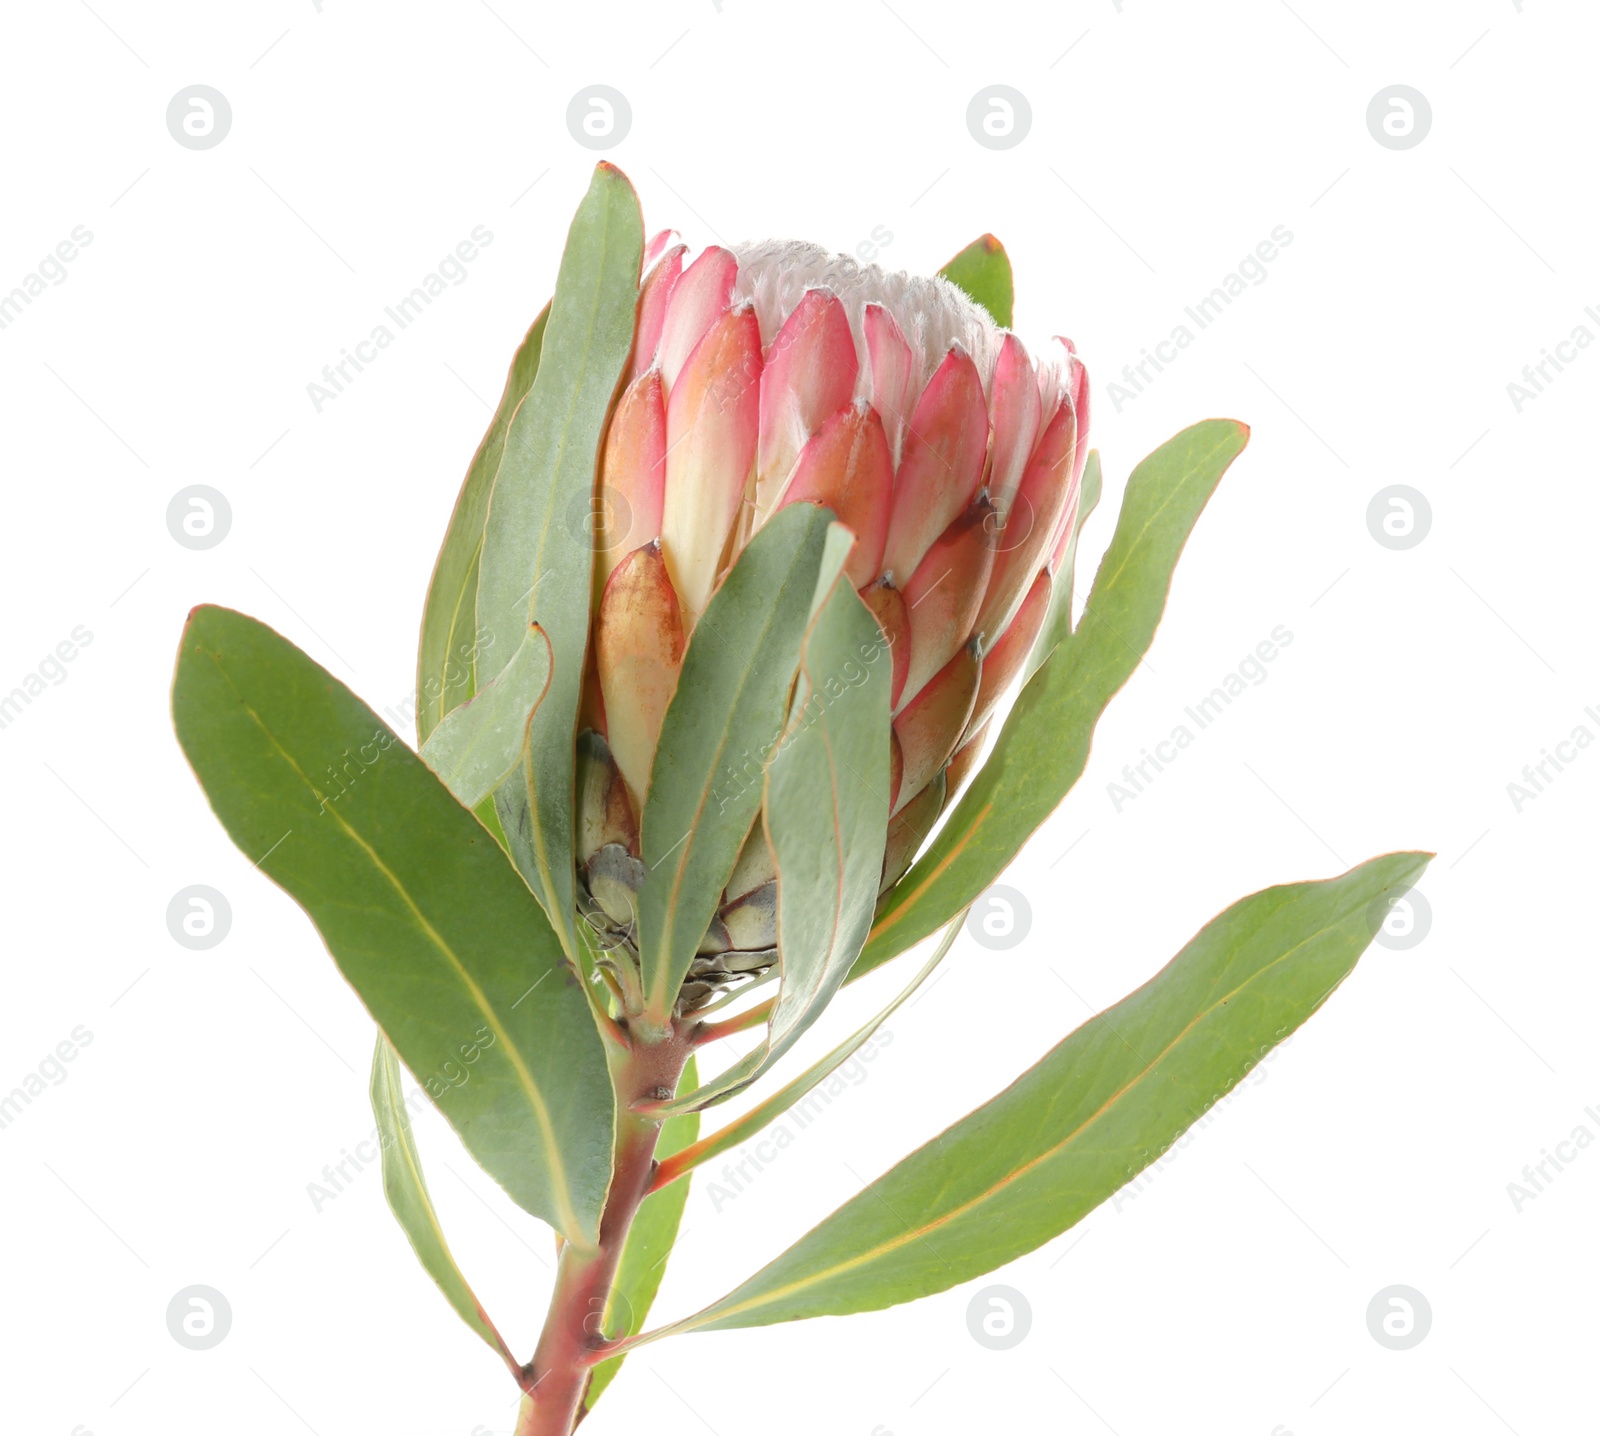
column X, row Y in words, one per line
column 558, row 1376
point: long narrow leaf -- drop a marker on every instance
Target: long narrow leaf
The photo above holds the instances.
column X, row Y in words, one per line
column 420, row 909
column 1044, row 745
column 447, row 648
column 826, row 811
column 537, row 557
column 1091, row 1115
column 717, row 736
column 408, row 1198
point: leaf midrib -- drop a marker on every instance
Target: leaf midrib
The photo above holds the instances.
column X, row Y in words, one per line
column 917, row 1234
column 756, row 1062
column 664, row 943
column 525, row 1078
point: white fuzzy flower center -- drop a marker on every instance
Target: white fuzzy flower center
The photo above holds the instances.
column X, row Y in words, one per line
column 932, row 313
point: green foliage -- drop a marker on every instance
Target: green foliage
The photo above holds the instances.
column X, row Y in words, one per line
column 447, row 650
column 477, row 744
column 407, row 1193
column 537, row 560
column 1089, row 1116
column 1044, row 744
column 826, row 813
column 722, row 723
column 418, row 906
column 444, row 885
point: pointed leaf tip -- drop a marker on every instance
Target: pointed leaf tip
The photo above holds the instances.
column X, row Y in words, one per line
column 529, row 568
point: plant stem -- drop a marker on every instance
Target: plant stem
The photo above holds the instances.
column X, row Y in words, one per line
column 559, row 1372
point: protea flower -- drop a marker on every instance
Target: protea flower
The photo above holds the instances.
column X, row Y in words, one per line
column 751, row 551
column 778, row 374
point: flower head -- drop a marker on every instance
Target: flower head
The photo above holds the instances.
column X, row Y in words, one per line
column 778, row 374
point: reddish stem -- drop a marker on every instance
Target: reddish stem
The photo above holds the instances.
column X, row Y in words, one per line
column 559, row 1372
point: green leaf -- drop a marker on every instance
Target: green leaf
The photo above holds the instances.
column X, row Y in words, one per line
column 719, row 730
column 407, row 1192
column 421, row 911
column 537, row 556
column 447, row 650
column 1097, row 1110
column 747, row 1124
column 649, row 1243
column 827, row 804
column 826, row 811
column 476, row 745
column 982, row 271
column 1042, row 750
column 1057, row 626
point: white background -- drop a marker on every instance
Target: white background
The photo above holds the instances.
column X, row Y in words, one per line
column 1167, row 140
